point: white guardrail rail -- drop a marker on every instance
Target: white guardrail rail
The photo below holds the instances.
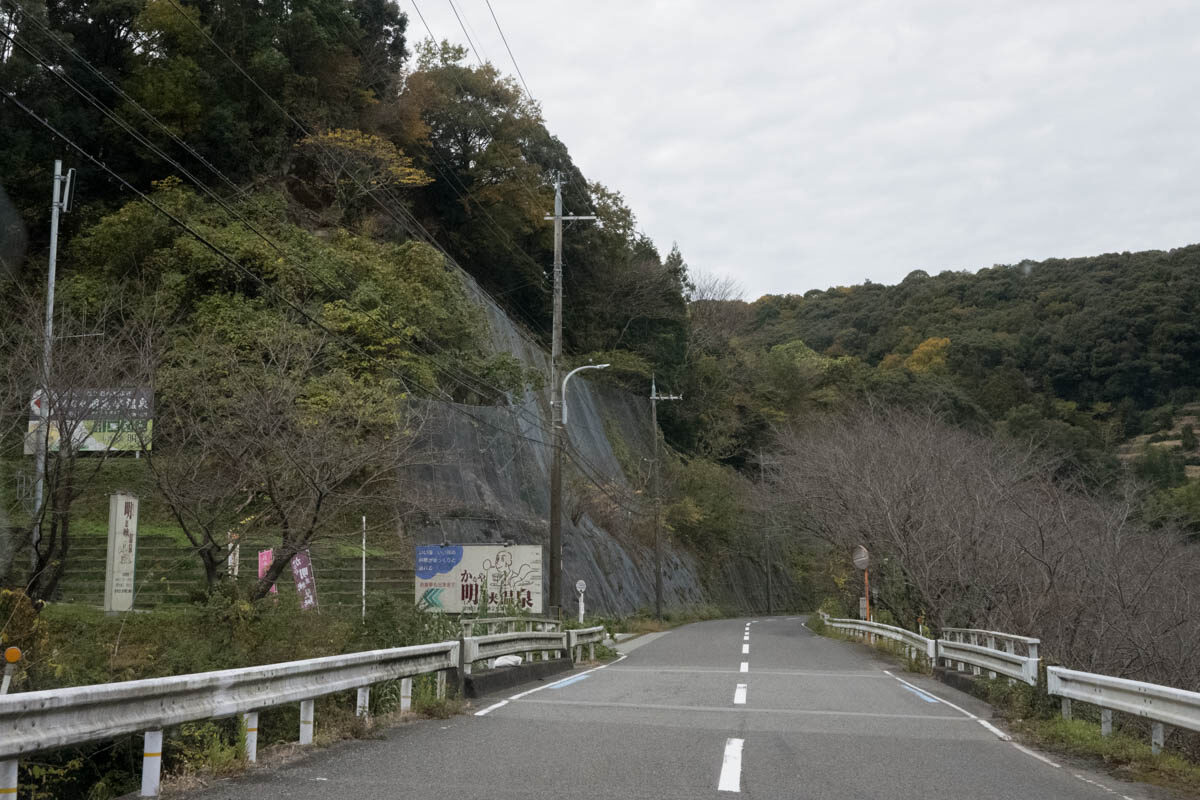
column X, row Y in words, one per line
column 915, row 643
column 32, row 722
column 508, row 625
column 990, row 651
column 1160, row 704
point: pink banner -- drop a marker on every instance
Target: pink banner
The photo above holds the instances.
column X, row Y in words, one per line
column 306, row 580
column 265, row 557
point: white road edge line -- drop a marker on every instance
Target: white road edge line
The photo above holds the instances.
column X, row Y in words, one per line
column 585, row 672
column 1004, row 737
column 745, row 649
column 739, row 695
column 481, row 712
column 959, row 709
column 1036, row 755
column 731, row 767
column 745, row 667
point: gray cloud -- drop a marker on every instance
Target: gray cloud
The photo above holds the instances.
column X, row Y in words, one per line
column 805, row 145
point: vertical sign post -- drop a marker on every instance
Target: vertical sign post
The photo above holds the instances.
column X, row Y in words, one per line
column 580, row 587
column 862, row 560
column 122, row 552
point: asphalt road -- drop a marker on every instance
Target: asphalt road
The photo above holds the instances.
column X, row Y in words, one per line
column 761, row 709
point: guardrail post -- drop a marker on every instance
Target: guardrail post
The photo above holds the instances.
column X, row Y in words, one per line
column 362, row 708
column 306, row 721
column 591, row 651
column 1106, row 722
column 441, row 685
column 545, row 653
column 529, row 653
column 1011, row 647
column 1066, row 708
column 8, row 777
column 406, row 694
column 1157, row 738
column 151, row 764
column 250, row 722
column 991, row 643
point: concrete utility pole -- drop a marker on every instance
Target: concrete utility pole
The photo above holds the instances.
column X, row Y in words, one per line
column 658, row 575
column 60, row 203
column 762, row 482
column 556, row 407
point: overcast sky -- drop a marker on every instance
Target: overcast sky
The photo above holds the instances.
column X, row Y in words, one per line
column 807, row 144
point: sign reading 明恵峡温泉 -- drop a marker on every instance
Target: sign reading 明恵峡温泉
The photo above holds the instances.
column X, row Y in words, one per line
column 473, row 578
column 122, row 552
column 95, row 420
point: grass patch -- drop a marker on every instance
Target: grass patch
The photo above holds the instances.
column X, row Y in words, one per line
column 1125, row 755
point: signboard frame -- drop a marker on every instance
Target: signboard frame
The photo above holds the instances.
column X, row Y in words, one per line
column 471, row 578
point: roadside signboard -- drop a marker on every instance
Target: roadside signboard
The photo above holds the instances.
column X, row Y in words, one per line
column 122, row 552
column 98, row 420
column 471, row 577
column 306, row 580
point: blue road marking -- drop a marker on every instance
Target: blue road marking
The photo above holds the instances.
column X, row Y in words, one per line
column 566, row 682
column 927, row 698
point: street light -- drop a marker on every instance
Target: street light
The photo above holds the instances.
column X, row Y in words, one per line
column 560, row 439
column 564, row 386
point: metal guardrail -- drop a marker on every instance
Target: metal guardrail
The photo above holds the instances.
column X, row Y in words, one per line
column 992, row 651
column 1161, row 704
column 509, row 624
column 914, row 642
column 491, row 647
column 32, row 722
column 580, row 636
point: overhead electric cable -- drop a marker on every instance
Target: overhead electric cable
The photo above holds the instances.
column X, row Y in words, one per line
column 511, row 57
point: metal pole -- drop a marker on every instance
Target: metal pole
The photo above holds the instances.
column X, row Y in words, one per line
column 867, row 591
column 364, row 568
column 47, row 350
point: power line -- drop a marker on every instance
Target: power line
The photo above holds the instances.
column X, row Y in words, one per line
column 449, row 372
column 268, row 288
column 511, row 57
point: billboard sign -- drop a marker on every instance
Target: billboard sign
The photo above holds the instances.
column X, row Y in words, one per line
column 98, row 420
column 469, row 578
column 122, row 552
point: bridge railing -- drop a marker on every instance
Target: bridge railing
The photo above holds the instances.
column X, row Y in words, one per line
column 32, row 722
column 551, row 644
column 991, row 651
column 488, row 625
column 1160, row 704
column 581, row 636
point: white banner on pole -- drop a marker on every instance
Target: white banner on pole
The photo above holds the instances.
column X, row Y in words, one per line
column 122, row 552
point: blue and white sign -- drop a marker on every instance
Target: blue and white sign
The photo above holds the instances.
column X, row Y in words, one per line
column 470, row 578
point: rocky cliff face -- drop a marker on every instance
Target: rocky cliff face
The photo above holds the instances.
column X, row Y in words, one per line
column 493, row 482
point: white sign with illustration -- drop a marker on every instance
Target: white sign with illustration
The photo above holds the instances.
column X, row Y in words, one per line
column 472, row 577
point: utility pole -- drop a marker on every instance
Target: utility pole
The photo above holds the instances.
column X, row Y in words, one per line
column 60, row 203
column 656, row 476
column 556, row 407
column 766, row 536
